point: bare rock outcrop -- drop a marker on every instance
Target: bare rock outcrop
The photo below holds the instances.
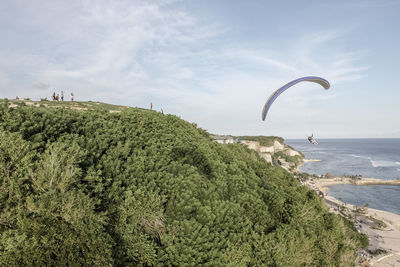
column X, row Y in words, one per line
column 278, row 146
column 291, row 153
column 269, row 153
column 277, row 153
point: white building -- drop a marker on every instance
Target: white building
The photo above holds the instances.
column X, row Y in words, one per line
column 224, row 139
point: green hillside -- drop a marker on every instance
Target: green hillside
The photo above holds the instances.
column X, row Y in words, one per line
column 90, row 187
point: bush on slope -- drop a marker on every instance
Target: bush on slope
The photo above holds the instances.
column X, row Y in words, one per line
column 141, row 188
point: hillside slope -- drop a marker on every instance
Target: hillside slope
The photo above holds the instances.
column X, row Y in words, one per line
column 135, row 187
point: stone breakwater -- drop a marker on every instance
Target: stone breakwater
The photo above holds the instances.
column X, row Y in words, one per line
column 356, row 181
column 320, row 185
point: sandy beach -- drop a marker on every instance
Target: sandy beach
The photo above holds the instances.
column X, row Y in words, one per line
column 383, row 237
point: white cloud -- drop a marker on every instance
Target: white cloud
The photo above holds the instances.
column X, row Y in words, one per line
column 104, row 45
column 136, row 52
column 41, row 85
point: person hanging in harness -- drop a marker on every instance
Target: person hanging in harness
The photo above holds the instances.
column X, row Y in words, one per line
column 312, row 140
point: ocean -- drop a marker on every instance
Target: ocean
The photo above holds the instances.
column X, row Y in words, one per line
column 374, row 158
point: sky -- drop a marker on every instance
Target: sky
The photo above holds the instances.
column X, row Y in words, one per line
column 214, row 62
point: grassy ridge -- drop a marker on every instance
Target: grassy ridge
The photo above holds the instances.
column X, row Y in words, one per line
column 81, row 105
column 90, row 187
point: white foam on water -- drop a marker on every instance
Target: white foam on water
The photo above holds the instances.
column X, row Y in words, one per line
column 382, row 163
column 359, row 156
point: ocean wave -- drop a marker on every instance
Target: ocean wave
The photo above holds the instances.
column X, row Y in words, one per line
column 383, row 163
column 359, row 156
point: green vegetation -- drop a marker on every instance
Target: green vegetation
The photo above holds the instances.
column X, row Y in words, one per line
column 377, row 224
column 379, row 251
column 302, row 155
column 67, row 104
column 264, row 140
column 293, row 160
column 361, row 210
column 138, row 188
column 353, row 234
column 303, row 176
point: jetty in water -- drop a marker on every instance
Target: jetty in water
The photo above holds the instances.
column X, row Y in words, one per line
column 356, row 181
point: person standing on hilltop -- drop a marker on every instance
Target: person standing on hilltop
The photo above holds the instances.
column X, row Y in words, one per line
column 62, row 95
column 54, row 96
column 72, row 97
column 151, row 105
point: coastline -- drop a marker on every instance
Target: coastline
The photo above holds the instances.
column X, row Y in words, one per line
column 381, row 227
column 384, row 238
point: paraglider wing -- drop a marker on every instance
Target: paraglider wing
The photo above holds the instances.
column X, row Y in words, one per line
column 275, row 94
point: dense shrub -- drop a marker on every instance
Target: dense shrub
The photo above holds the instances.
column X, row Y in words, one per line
column 141, row 188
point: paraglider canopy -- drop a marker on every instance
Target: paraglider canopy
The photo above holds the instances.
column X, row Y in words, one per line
column 324, row 83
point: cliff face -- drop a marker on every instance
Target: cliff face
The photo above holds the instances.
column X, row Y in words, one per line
column 278, row 154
